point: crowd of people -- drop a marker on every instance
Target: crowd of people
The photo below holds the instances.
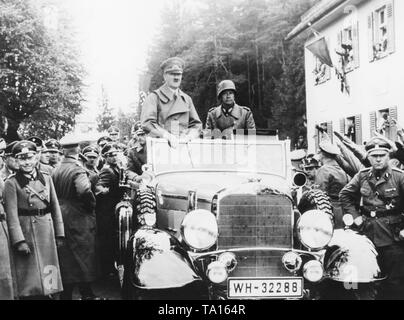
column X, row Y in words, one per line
column 59, row 197
column 365, row 185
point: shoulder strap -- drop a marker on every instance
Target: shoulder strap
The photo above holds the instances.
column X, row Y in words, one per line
column 38, row 195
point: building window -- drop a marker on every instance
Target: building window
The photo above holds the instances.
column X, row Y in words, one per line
column 384, row 121
column 348, row 47
column 381, row 32
column 351, row 128
column 322, row 72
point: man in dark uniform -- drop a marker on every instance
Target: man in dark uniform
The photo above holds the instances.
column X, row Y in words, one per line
column 92, row 155
column 379, row 193
column 77, row 202
column 108, row 195
column 10, row 162
column 54, row 148
column 168, row 112
column 229, row 115
column 331, row 178
column 43, row 155
column 137, row 154
column 310, row 165
column 35, row 226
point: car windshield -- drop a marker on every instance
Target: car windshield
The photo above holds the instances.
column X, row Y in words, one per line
column 245, row 154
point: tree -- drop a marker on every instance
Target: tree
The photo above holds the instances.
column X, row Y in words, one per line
column 40, row 76
column 106, row 118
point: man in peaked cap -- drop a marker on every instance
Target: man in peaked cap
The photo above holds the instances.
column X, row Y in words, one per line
column 35, row 225
column 168, row 112
column 54, row 148
column 43, row 155
column 10, row 163
column 108, row 195
column 378, row 192
column 137, row 154
column 77, row 203
column 92, row 154
column 229, row 115
column 331, row 178
column 310, row 165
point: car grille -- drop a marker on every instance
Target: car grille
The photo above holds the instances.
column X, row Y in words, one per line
column 256, row 221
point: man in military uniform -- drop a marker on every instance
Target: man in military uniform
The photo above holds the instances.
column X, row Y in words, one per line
column 3, row 146
column 35, row 226
column 379, row 193
column 113, row 133
column 92, row 155
column 168, row 112
column 10, row 163
column 310, row 166
column 43, row 155
column 108, row 195
column 54, row 148
column 229, row 115
column 77, row 202
column 137, row 154
column 330, row 178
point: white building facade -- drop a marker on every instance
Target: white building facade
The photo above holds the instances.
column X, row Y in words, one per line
column 366, row 39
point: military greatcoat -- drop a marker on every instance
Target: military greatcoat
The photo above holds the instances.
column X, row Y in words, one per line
column 77, row 202
column 238, row 117
column 33, row 216
column 164, row 112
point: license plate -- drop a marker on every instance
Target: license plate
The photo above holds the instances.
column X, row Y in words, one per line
column 265, row 287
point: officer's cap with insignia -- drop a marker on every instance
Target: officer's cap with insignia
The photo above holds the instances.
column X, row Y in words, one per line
column 297, row 155
column 103, row 141
column 173, row 65
column 91, row 151
column 38, row 142
column 109, row 148
column 377, row 146
column 52, row 145
column 70, row 141
column 24, row 148
column 328, row 147
column 8, row 151
column 310, row 162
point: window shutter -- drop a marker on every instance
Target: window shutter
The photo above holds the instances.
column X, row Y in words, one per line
column 372, row 123
column 393, row 113
column 317, row 138
column 358, row 129
column 329, row 131
column 391, row 46
column 371, row 37
column 342, row 126
column 355, row 43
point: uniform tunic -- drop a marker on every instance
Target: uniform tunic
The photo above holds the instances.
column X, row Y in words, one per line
column 238, row 118
column 108, row 177
column 6, row 276
column 77, row 203
column 330, row 178
column 164, row 112
column 382, row 208
column 38, row 273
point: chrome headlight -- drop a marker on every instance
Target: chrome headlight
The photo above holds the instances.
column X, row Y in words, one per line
column 199, row 229
column 313, row 271
column 217, row 272
column 315, row 229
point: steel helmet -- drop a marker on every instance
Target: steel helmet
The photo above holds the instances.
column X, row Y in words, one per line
column 225, row 85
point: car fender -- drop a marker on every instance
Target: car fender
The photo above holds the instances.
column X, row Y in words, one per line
column 158, row 261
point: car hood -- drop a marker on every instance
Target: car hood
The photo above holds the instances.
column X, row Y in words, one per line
column 208, row 183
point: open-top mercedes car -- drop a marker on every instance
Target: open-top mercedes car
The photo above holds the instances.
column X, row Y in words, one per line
column 215, row 219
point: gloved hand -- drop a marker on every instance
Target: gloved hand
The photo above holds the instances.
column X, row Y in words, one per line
column 23, row 248
column 172, row 140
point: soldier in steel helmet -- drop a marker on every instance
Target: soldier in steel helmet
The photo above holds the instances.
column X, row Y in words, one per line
column 229, row 115
column 378, row 192
column 168, row 112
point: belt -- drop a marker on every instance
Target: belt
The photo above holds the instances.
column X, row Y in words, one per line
column 33, row 212
column 379, row 214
